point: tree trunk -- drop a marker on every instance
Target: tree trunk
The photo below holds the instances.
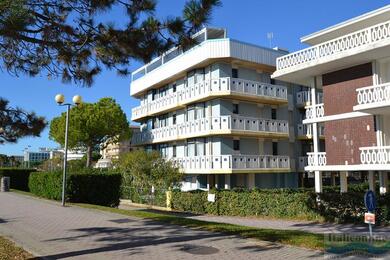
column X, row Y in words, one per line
column 89, row 156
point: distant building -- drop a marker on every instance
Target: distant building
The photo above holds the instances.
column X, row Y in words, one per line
column 49, row 153
column 72, row 154
column 113, row 150
column 39, row 156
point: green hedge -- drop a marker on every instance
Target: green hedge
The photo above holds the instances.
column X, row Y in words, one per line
column 278, row 203
column 242, row 202
column 46, row 184
column 19, row 177
column 99, row 188
column 94, row 188
column 349, row 207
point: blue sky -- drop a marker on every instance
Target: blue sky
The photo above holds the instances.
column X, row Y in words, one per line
column 245, row 20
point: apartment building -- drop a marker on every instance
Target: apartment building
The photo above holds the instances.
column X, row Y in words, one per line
column 215, row 111
column 350, row 64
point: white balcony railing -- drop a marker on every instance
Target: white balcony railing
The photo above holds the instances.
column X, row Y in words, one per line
column 208, row 125
column 316, row 111
column 306, row 130
column 304, row 98
column 302, row 163
column 374, row 95
column 316, row 159
column 334, row 48
column 232, row 162
column 375, row 155
column 219, row 86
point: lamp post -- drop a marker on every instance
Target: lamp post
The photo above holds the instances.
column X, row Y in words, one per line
column 60, row 99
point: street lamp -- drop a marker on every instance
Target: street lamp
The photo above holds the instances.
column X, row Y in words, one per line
column 60, row 99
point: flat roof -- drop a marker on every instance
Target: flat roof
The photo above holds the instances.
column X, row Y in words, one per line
column 357, row 23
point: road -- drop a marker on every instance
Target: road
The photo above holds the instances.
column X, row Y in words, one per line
column 50, row 231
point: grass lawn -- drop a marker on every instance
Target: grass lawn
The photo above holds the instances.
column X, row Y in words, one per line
column 288, row 237
column 8, row 250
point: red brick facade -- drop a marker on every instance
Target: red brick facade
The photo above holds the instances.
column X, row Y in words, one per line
column 344, row 137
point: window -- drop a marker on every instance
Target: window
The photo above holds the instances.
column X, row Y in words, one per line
column 202, row 180
column 273, row 113
column 272, row 81
column 174, row 151
column 154, row 93
column 199, row 75
column 236, row 145
column 235, row 73
column 174, row 87
column 191, row 78
column 274, row 148
column 235, row 109
column 174, row 119
column 190, row 113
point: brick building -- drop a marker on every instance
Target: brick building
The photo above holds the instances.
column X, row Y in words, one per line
column 350, row 64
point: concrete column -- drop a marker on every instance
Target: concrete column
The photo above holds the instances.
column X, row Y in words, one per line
column 251, row 180
column 371, row 181
column 333, row 179
column 318, row 181
column 317, row 174
column 383, row 182
column 343, row 182
column 227, row 181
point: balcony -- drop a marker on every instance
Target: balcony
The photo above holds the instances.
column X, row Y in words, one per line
column 305, row 131
column 304, row 98
column 373, row 99
column 316, row 159
column 376, row 155
column 233, row 163
column 173, row 64
column 314, row 113
column 353, row 48
column 208, row 89
column 221, row 125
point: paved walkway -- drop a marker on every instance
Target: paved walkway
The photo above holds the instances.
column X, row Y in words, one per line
column 309, row 226
column 46, row 229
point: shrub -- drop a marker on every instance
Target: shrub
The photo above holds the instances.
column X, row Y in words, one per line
column 284, row 203
column 19, row 177
column 46, row 184
column 100, row 188
column 349, row 207
column 243, row 202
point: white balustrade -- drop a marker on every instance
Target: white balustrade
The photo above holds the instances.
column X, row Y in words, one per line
column 316, row 159
column 375, row 155
column 335, row 47
column 315, row 111
column 232, row 162
column 210, row 87
column 207, row 125
column 377, row 94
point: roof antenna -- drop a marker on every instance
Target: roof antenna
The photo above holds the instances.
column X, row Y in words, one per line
column 270, row 36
